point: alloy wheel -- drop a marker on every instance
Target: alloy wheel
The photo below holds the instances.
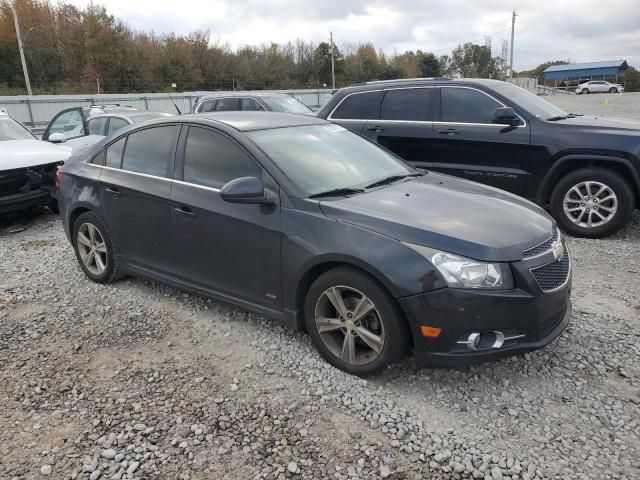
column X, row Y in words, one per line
column 590, row 204
column 349, row 325
column 92, row 248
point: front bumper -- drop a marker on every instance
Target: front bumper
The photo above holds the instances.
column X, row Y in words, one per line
column 20, row 201
column 533, row 316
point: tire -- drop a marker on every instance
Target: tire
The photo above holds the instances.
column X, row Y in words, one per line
column 384, row 326
column 82, row 226
column 613, row 90
column 617, row 210
column 585, row 91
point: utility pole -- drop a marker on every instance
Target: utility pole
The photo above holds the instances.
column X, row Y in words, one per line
column 513, row 29
column 333, row 64
column 21, row 49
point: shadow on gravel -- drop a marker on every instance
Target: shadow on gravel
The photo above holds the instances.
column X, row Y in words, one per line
column 16, row 222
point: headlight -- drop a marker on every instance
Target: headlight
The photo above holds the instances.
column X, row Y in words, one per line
column 461, row 272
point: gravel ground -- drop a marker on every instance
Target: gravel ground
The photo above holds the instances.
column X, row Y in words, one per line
column 623, row 105
column 137, row 380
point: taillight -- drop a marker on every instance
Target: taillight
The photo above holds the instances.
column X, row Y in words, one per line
column 59, row 175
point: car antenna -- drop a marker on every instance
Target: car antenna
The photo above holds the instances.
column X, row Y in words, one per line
column 175, row 105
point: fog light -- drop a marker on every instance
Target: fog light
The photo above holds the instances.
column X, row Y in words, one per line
column 483, row 340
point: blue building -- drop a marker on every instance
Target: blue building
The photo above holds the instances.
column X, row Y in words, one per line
column 576, row 73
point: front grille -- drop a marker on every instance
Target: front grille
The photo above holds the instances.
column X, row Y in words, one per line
column 548, row 324
column 554, row 274
column 543, row 247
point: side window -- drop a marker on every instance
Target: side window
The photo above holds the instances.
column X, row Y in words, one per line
column 211, row 159
column 207, row 106
column 116, row 124
column 358, row 106
column 97, row 126
column 465, row 105
column 113, row 158
column 70, row 123
column 99, row 158
column 407, row 104
column 251, row 105
column 228, row 105
column 148, row 151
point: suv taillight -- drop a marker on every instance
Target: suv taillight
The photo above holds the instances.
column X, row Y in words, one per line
column 59, row 175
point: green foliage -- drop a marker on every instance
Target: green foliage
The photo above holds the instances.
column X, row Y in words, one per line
column 475, row 61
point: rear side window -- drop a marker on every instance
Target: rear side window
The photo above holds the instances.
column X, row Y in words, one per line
column 114, row 153
column 465, row 105
column 148, row 151
column 412, row 104
column 357, row 106
column 229, row 105
column 251, row 105
column 97, row 126
column 212, row 159
column 207, row 106
column 116, row 124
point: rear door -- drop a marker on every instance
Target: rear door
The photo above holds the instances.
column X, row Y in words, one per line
column 405, row 123
column 136, row 190
column 355, row 109
column 468, row 144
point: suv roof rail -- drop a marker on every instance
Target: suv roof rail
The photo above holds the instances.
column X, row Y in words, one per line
column 398, row 80
column 111, row 105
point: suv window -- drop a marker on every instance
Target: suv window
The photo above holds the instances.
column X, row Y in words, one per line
column 407, row 104
column 228, row 105
column 357, row 106
column 114, row 153
column 207, row 106
column 148, row 151
column 251, row 105
column 466, row 105
column 211, row 159
column 116, row 123
column 97, row 126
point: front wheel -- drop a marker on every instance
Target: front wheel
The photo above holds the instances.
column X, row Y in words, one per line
column 354, row 323
column 613, row 90
column 592, row 202
column 585, row 91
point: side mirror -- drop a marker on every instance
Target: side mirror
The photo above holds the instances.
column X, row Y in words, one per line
column 506, row 116
column 246, row 190
column 57, row 138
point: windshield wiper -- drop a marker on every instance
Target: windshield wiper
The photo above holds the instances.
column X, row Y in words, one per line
column 336, row 192
column 393, row 178
column 564, row 117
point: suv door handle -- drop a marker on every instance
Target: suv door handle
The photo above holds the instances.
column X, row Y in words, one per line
column 185, row 212
column 376, row 128
column 448, row 131
column 115, row 193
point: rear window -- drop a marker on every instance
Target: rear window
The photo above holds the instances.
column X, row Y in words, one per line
column 148, row 151
column 357, row 106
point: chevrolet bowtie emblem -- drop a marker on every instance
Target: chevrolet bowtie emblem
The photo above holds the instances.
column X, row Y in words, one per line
column 558, row 250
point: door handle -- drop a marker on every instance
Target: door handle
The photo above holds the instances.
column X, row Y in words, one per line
column 185, row 212
column 448, row 131
column 376, row 128
column 115, row 193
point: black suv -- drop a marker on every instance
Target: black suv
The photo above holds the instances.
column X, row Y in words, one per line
column 586, row 170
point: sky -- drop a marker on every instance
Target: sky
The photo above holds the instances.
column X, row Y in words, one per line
column 582, row 31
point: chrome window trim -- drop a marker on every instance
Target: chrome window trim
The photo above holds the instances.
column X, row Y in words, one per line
column 204, row 187
column 132, row 172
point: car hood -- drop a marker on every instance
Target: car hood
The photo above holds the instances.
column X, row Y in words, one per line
column 449, row 214
column 30, row 153
column 603, row 123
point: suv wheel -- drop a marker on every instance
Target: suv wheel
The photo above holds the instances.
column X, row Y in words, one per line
column 94, row 249
column 592, row 203
column 354, row 323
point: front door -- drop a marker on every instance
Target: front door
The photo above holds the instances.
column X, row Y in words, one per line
column 136, row 190
column 227, row 248
column 468, row 144
column 70, row 122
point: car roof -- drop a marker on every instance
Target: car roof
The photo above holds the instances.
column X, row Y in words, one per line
column 242, row 94
column 130, row 113
column 250, row 121
column 408, row 82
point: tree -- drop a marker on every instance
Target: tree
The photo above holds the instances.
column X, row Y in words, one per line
column 470, row 60
column 428, row 65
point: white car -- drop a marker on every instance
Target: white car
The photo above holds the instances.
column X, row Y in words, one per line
column 599, row 86
column 27, row 167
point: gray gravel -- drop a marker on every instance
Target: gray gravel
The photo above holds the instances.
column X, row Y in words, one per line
column 623, row 105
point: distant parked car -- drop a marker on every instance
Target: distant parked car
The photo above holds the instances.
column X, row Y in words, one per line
column 599, row 86
column 81, row 127
column 250, row 102
column 586, row 170
column 27, row 167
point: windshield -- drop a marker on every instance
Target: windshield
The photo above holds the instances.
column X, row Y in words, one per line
column 531, row 102
column 320, row 158
column 286, row 104
column 12, row 130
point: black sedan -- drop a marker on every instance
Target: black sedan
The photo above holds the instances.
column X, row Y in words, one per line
column 303, row 221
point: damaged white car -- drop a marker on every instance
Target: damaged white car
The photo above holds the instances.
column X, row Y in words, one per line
column 28, row 167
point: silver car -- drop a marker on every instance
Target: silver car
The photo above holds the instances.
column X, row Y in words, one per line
column 599, row 86
column 254, row 102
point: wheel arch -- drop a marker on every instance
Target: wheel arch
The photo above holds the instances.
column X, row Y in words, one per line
column 569, row 163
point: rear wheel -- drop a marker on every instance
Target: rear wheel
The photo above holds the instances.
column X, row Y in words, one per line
column 592, row 202
column 354, row 323
column 94, row 249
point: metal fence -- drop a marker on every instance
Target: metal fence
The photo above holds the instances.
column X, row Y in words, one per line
column 36, row 111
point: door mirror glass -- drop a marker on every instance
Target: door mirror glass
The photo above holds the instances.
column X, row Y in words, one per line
column 57, row 137
column 246, row 190
column 505, row 116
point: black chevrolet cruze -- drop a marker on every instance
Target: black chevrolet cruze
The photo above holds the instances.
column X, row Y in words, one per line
column 303, row 221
